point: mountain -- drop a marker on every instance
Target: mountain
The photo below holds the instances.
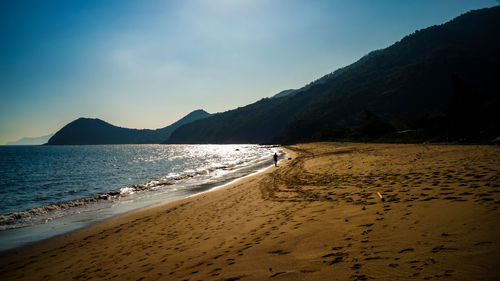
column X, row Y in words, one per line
column 95, row 131
column 31, row 141
column 253, row 123
column 326, row 77
column 440, row 84
column 285, row 93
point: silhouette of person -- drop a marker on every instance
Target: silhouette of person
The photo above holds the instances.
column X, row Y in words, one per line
column 275, row 160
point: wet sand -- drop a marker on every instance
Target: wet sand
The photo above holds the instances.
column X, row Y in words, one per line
column 317, row 216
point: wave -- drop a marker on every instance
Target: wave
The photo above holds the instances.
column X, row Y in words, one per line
column 48, row 212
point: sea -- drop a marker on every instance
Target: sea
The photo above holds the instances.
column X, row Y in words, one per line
column 50, row 190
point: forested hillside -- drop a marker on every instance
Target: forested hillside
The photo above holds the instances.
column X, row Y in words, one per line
column 440, row 84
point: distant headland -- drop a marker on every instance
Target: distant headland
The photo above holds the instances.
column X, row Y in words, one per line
column 95, row 131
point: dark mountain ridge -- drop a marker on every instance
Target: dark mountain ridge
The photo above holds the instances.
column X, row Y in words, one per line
column 95, row 131
column 326, row 77
column 440, row 83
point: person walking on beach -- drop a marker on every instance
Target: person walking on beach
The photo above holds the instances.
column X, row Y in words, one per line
column 275, row 159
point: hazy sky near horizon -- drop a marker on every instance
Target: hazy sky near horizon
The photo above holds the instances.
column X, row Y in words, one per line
column 145, row 64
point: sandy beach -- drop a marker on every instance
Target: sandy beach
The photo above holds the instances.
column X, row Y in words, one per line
column 333, row 211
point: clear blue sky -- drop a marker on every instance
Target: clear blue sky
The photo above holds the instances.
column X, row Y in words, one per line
column 145, row 64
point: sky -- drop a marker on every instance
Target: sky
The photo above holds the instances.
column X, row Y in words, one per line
column 146, row 64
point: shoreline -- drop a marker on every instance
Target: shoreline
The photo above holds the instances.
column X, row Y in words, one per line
column 78, row 219
column 76, row 234
column 121, row 216
column 315, row 217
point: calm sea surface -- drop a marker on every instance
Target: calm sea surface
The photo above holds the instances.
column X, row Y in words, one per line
column 46, row 190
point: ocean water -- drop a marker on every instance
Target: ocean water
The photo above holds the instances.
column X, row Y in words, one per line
column 47, row 190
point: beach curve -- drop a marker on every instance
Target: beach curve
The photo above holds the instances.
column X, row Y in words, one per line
column 333, row 211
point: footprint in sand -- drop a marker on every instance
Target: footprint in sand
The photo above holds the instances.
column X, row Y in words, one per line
column 442, row 248
column 406, row 250
column 337, row 257
column 356, row 266
column 483, row 243
column 279, row 252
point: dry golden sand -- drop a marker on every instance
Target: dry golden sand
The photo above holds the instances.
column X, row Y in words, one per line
column 316, row 217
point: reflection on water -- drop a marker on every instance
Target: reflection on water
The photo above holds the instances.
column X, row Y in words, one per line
column 83, row 184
